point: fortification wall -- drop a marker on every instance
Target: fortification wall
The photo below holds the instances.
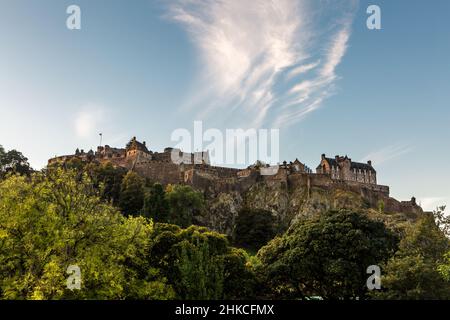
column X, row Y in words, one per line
column 162, row 172
column 299, row 180
column 320, row 180
column 221, row 172
column 120, row 162
column 360, row 187
column 210, row 183
column 245, row 182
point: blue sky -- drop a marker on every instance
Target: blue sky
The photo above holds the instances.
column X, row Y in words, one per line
column 310, row 68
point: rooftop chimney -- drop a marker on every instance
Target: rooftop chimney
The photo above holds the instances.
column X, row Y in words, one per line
column 369, row 162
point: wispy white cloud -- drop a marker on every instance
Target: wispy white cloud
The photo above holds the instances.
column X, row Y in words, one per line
column 388, row 153
column 275, row 60
column 303, row 68
column 336, row 52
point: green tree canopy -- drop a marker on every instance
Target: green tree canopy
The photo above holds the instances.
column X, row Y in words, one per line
column 199, row 264
column 442, row 220
column 156, row 205
column 57, row 220
column 444, row 268
column 184, row 202
column 13, row 161
column 108, row 179
column 254, row 228
column 326, row 256
column 131, row 199
column 413, row 272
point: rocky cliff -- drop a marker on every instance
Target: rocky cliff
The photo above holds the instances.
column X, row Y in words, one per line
column 289, row 202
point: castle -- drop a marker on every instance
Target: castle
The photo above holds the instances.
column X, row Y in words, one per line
column 172, row 166
column 343, row 168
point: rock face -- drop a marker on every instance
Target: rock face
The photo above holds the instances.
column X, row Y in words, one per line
column 221, row 213
column 290, row 202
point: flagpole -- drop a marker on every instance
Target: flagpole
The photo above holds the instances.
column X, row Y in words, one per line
column 101, row 136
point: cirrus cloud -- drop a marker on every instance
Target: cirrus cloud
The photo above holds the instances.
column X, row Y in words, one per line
column 264, row 62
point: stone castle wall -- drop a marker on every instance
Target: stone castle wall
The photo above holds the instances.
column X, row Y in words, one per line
column 162, row 172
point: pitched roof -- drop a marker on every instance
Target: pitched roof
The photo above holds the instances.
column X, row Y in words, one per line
column 134, row 144
column 362, row 166
column 354, row 165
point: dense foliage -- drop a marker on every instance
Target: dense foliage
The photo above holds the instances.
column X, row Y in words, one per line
column 200, row 264
column 13, row 161
column 413, row 272
column 131, row 199
column 184, row 202
column 57, row 220
column 155, row 204
column 254, row 228
column 326, row 256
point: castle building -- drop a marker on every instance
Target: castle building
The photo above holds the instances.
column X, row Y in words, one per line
column 135, row 148
column 297, row 166
column 173, row 166
column 343, row 168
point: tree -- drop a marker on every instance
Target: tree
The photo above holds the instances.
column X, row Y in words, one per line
column 13, row 161
column 413, row 272
column 444, row 268
column 240, row 279
column 325, row 256
column 184, row 202
column 131, row 199
column 199, row 264
column 56, row 220
column 108, row 179
column 76, row 164
column 254, row 228
column 201, row 273
column 442, row 220
column 155, row 204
